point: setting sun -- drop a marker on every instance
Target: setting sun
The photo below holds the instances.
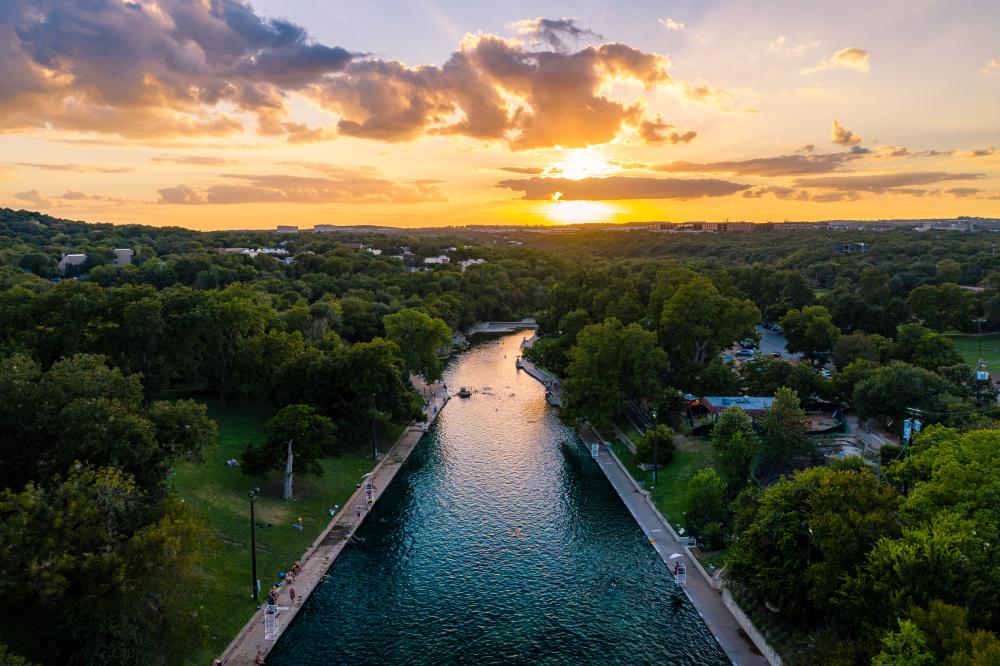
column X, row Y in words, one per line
column 577, row 212
column 582, row 163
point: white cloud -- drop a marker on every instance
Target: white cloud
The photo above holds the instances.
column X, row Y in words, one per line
column 671, row 24
column 784, row 46
column 849, row 58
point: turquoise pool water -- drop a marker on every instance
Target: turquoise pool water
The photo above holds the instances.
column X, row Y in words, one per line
column 500, row 542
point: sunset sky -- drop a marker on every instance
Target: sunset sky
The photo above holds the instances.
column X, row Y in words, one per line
column 223, row 114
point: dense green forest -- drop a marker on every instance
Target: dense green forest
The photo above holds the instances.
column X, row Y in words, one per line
column 98, row 365
column 104, row 372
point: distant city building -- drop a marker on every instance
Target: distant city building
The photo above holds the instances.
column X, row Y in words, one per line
column 122, row 257
column 234, row 250
column 354, row 245
column 373, row 250
column 440, row 259
column 287, row 229
column 71, row 260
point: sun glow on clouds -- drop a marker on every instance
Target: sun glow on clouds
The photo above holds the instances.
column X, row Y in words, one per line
column 581, row 163
column 578, row 164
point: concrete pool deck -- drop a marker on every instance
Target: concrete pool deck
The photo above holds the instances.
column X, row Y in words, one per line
column 321, row 555
column 706, row 600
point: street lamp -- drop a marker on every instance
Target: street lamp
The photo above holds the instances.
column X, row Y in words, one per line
column 979, row 337
column 656, row 447
column 255, row 593
column 374, row 450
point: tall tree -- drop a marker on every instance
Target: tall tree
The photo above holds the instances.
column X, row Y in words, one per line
column 811, row 331
column 420, row 338
column 736, row 446
column 698, row 322
column 608, row 365
column 295, row 439
column 101, row 574
column 183, row 427
column 783, row 428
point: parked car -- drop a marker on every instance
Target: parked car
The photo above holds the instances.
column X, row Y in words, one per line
column 826, row 373
column 775, row 354
column 745, row 353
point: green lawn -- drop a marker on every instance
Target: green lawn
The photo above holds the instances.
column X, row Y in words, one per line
column 220, row 495
column 968, row 346
column 691, row 455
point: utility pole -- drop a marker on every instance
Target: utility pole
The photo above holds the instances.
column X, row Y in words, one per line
column 979, row 338
column 374, row 450
column 255, row 590
column 656, row 448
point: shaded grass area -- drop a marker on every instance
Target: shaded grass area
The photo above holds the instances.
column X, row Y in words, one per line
column 668, row 495
column 219, row 493
column 691, row 455
column 969, row 345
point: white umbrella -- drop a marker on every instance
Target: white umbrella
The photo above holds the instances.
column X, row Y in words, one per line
column 675, row 556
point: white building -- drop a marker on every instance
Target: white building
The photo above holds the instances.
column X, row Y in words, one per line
column 465, row 263
column 71, row 260
column 122, row 256
column 440, row 259
column 374, row 251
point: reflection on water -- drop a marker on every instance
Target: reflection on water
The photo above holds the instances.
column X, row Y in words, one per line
column 500, row 542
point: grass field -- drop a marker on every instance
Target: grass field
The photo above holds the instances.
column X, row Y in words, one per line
column 691, row 455
column 968, row 346
column 219, row 493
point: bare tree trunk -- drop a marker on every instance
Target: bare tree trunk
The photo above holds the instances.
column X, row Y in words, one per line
column 288, row 473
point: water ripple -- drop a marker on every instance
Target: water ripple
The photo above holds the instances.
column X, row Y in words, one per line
column 502, row 543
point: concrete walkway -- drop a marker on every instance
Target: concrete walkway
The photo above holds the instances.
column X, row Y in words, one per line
column 553, row 391
column 706, row 600
column 325, row 549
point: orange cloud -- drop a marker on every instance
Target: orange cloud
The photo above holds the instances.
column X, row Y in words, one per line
column 336, row 185
column 843, row 136
column 494, row 88
column 620, row 187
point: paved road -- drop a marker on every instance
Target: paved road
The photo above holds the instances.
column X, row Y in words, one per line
column 706, row 600
column 773, row 342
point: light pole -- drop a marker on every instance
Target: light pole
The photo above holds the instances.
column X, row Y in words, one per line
column 979, row 337
column 374, row 450
column 255, row 593
column 656, row 447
